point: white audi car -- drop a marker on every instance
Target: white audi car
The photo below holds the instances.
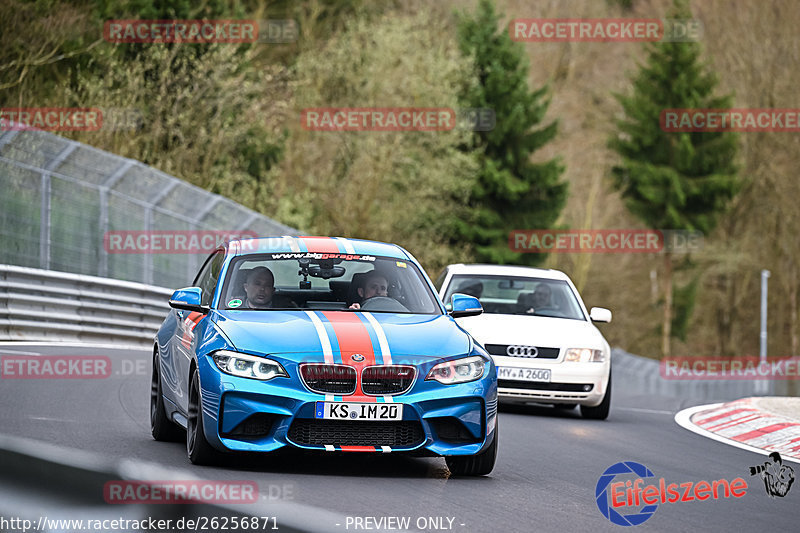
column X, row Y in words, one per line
column 537, row 329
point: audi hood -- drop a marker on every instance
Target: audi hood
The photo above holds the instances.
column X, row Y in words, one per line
column 533, row 330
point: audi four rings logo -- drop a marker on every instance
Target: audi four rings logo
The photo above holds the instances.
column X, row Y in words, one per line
column 357, row 357
column 518, row 350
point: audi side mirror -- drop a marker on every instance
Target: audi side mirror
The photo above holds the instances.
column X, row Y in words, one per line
column 600, row 314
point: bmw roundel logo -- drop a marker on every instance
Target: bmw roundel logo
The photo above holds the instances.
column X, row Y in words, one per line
column 516, row 350
column 357, row 357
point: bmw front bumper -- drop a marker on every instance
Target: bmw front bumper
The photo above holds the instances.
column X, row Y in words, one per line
column 243, row 414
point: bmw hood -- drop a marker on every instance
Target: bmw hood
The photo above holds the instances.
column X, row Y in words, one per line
column 533, row 331
column 343, row 333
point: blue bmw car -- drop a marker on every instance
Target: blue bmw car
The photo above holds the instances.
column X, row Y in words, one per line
column 327, row 344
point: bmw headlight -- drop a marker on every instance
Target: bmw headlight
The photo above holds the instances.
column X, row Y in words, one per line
column 248, row 366
column 584, row 355
column 458, row 371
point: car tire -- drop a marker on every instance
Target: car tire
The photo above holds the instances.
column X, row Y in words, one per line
column 198, row 449
column 599, row 412
column 480, row 464
column 161, row 427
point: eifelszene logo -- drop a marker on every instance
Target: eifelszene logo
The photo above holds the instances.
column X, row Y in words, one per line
column 628, row 502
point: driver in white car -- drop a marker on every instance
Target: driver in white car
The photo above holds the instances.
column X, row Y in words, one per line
column 374, row 285
column 541, row 298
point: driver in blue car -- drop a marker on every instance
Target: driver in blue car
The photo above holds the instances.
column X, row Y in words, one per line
column 260, row 290
column 374, row 285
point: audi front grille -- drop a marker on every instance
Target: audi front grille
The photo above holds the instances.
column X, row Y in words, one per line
column 520, row 350
column 544, row 385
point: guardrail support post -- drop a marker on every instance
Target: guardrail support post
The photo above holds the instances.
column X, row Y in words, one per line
column 148, row 257
column 46, row 215
column 102, row 267
column 44, row 224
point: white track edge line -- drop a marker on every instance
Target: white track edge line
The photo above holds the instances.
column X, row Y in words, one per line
column 72, row 344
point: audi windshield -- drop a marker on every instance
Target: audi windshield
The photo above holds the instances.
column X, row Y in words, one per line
column 514, row 295
column 330, row 281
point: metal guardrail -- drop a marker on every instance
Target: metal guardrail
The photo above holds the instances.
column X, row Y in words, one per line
column 639, row 375
column 55, row 488
column 42, row 305
column 61, row 197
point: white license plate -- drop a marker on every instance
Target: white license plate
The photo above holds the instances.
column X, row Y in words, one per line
column 523, row 374
column 359, row 411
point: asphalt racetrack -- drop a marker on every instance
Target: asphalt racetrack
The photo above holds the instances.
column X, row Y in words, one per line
column 548, row 465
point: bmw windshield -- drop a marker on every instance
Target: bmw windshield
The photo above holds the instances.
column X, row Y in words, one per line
column 511, row 295
column 328, row 281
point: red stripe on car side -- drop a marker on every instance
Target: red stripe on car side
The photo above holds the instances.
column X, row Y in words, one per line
column 193, row 318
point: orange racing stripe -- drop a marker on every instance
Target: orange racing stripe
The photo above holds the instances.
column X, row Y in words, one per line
column 320, row 244
column 353, row 338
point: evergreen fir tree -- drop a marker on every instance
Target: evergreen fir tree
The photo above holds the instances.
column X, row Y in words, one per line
column 511, row 191
column 676, row 181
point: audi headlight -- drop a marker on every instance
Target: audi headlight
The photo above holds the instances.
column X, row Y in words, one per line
column 248, row 366
column 584, row 355
column 458, row 371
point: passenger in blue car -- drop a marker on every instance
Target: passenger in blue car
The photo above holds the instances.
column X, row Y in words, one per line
column 375, row 284
column 260, row 290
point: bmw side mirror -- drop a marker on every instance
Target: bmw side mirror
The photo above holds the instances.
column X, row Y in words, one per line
column 600, row 314
column 189, row 299
column 463, row 305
